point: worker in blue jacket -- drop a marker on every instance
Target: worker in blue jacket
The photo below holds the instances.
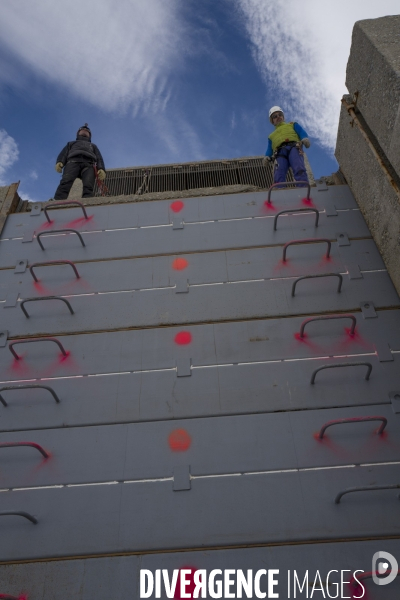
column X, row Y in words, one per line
column 285, row 147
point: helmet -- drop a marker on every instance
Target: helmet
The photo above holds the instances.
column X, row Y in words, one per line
column 85, row 126
column 273, row 110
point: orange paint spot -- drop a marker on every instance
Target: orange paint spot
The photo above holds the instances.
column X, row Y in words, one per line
column 179, row 440
column 176, row 206
column 179, row 264
column 183, row 337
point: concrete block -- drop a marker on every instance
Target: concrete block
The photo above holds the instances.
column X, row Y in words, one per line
column 374, row 194
column 373, row 69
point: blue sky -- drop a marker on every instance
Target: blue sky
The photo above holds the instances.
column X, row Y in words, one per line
column 162, row 81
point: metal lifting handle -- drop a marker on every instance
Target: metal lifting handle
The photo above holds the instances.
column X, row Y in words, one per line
column 328, row 318
column 64, row 203
column 339, row 288
column 353, row 420
column 365, row 489
column 297, row 210
column 58, row 231
column 361, row 576
column 8, row 597
column 44, row 298
column 27, row 387
column 19, row 513
column 354, row 364
column 48, row 339
column 51, row 263
column 32, row 444
column 307, row 241
column 286, row 184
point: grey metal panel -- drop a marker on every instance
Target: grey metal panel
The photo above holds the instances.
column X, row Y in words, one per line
column 226, row 390
column 217, row 511
column 162, row 271
column 210, row 446
column 241, row 300
column 244, row 341
column 118, row 576
column 195, row 237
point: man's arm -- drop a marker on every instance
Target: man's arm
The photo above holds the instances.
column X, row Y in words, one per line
column 302, row 133
column 62, row 157
column 99, row 158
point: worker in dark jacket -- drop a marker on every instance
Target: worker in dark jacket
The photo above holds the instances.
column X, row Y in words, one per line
column 285, row 147
column 78, row 160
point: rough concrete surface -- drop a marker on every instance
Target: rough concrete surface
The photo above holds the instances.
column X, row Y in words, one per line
column 374, row 194
column 373, row 70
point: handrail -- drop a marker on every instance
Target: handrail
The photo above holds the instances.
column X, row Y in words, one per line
column 57, row 231
column 32, row 444
column 369, row 488
column 51, row 263
column 328, row 318
column 339, row 288
column 63, row 203
column 286, row 184
column 307, row 241
column 44, row 298
column 28, row 341
column 353, row 420
column 354, row 364
column 27, row 387
column 19, row 513
column 297, row 210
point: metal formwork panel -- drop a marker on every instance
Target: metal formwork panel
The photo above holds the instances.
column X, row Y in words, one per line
column 193, row 237
column 118, row 576
column 211, row 446
column 216, row 511
column 200, row 268
column 226, row 390
column 236, row 301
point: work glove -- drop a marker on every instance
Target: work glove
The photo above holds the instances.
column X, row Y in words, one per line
column 266, row 160
column 101, row 174
column 59, row 167
column 306, row 142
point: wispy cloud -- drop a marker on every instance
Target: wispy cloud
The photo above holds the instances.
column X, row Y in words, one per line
column 8, row 153
column 33, row 175
column 301, row 50
column 116, row 55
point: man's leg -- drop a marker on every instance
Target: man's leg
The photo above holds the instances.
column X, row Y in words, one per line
column 296, row 160
column 87, row 176
column 70, row 173
column 281, row 166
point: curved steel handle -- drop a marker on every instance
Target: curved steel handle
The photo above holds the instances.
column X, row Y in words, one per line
column 354, row 364
column 297, row 210
column 44, row 298
column 286, row 184
column 361, row 576
column 27, row 387
column 339, row 288
column 307, row 241
column 51, row 263
column 19, row 513
column 328, row 318
column 365, row 489
column 353, row 420
column 47, row 339
column 57, row 231
column 32, row 444
column 64, row 203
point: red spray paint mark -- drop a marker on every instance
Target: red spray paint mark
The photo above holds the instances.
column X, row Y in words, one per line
column 20, row 367
column 77, row 223
column 179, row 440
column 307, row 202
column 332, row 446
column 41, row 289
column 176, row 206
column 349, row 339
column 268, row 207
column 44, row 226
column 183, row 337
column 190, row 587
column 179, row 264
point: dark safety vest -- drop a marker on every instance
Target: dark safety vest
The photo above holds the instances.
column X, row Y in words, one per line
column 284, row 132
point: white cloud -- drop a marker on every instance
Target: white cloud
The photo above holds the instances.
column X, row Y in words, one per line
column 114, row 55
column 33, row 175
column 301, row 50
column 8, row 153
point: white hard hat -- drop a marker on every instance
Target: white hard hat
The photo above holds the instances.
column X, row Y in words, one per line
column 273, row 110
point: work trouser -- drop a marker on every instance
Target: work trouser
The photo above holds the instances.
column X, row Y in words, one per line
column 72, row 171
column 289, row 155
